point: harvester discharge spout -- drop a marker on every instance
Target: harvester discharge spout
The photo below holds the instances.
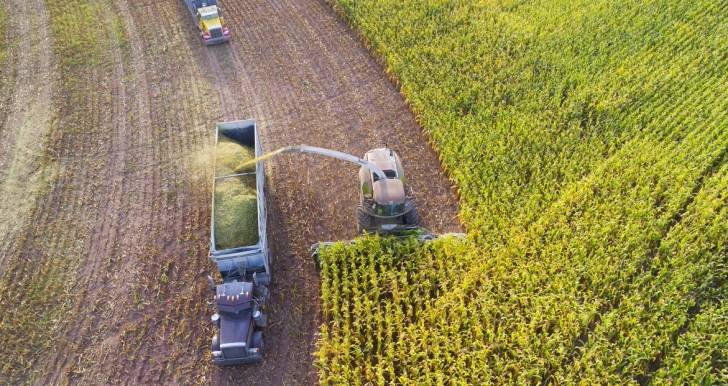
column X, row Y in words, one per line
column 321, row 151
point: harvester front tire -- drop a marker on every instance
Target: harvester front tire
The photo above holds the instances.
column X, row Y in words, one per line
column 412, row 217
column 364, row 221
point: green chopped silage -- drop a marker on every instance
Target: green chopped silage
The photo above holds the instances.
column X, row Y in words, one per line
column 229, row 155
column 236, row 214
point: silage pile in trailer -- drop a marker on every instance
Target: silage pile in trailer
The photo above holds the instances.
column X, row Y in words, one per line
column 230, row 156
column 236, row 209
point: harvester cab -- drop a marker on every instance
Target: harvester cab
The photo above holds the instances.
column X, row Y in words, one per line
column 386, row 204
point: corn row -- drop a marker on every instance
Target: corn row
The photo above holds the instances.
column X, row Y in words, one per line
column 588, row 141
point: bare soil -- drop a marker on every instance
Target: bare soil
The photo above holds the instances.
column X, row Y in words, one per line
column 124, row 217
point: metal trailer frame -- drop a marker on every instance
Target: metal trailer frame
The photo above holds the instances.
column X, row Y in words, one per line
column 245, row 265
column 245, row 259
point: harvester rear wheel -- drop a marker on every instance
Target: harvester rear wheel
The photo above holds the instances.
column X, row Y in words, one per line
column 364, row 220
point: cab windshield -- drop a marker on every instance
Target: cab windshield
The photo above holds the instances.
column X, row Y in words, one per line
column 208, row 16
column 390, row 210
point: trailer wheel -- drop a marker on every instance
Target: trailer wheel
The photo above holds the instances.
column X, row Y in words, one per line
column 364, row 220
column 258, row 340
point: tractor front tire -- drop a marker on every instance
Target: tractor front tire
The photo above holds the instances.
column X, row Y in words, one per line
column 258, row 340
column 364, row 221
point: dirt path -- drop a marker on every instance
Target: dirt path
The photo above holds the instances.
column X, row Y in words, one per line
column 128, row 216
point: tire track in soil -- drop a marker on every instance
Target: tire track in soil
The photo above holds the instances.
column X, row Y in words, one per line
column 64, row 219
column 25, row 115
column 87, row 338
column 161, row 336
column 227, row 99
column 75, row 206
column 157, row 213
column 127, row 230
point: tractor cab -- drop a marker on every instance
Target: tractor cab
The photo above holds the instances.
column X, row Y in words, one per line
column 239, row 313
column 211, row 23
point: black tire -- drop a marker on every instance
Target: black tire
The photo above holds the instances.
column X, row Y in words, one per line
column 364, row 221
column 316, row 260
column 412, row 217
column 258, row 340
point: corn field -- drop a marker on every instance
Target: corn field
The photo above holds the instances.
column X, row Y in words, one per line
column 588, row 142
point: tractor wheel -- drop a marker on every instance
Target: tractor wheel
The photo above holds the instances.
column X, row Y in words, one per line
column 364, row 220
column 258, row 340
column 412, row 217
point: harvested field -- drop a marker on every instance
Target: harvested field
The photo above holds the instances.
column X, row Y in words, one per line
column 106, row 180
